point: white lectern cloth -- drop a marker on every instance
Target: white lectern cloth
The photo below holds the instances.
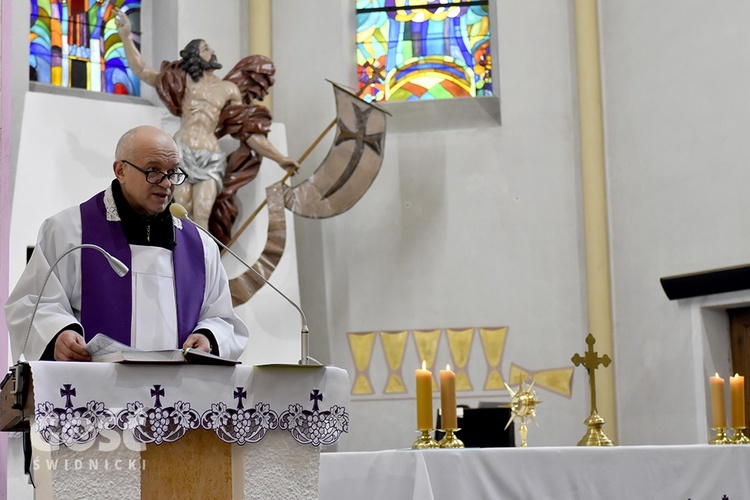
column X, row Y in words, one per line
column 311, row 402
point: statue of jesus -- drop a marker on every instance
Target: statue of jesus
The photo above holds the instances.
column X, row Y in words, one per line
column 210, row 107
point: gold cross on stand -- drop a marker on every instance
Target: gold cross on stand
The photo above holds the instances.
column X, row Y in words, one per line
column 591, row 361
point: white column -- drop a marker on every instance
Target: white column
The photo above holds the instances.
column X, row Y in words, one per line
column 259, row 37
column 596, row 228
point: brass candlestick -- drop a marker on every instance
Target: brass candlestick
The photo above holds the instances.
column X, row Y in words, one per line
column 739, row 436
column 594, row 436
column 590, row 360
column 425, row 441
column 720, row 437
column 450, row 440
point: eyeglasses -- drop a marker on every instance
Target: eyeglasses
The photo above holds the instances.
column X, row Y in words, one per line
column 156, row 177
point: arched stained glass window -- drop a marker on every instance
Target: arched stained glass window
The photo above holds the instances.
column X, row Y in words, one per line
column 423, row 49
column 74, row 43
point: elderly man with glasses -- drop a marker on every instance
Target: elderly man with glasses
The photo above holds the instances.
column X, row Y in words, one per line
column 176, row 293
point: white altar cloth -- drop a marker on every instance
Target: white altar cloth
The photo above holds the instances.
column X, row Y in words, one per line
column 697, row 472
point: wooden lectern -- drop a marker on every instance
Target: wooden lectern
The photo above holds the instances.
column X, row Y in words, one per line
column 16, row 399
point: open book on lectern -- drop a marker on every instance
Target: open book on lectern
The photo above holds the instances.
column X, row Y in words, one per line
column 105, row 349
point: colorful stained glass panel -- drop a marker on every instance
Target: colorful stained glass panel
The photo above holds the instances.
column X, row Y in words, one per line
column 75, row 44
column 423, row 49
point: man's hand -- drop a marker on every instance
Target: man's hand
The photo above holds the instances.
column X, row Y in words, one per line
column 122, row 22
column 289, row 165
column 197, row 341
column 70, row 346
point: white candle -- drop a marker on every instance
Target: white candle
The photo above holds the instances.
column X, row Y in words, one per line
column 424, row 398
column 737, row 398
column 717, row 402
column 448, row 398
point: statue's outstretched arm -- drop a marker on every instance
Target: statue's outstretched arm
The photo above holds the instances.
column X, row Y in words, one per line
column 264, row 147
column 145, row 73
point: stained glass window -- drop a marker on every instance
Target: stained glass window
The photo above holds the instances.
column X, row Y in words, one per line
column 423, row 49
column 74, row 43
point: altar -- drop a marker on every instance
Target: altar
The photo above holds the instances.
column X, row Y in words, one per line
column 562, row 473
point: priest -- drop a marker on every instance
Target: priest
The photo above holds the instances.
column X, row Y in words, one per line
column 176, row 293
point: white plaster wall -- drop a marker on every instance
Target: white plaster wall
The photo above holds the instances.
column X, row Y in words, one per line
column 676, row 81
column 219, row 23
column 475, row 227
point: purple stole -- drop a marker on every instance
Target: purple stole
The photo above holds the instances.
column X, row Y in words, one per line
column 106, row 299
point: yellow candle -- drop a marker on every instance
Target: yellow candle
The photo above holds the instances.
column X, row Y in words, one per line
column 717, row 402
column 424, row 398
column 448, row 398
column 737, row 398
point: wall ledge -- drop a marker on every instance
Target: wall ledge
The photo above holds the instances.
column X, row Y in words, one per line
column 86, row 94
column 443, row 114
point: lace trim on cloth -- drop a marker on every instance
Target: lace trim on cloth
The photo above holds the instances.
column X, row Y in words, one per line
column 109, row 204
column 157, row 423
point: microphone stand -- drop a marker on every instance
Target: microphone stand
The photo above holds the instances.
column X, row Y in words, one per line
column 180, row 212
column 117, row 266
column 19, row 373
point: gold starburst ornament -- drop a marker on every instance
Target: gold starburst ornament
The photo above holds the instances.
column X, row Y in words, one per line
column 522, row 406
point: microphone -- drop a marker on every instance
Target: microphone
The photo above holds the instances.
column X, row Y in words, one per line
column 116, row 265
column 179, row 211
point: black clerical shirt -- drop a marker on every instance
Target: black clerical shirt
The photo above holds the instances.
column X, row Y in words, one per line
column 155, row 231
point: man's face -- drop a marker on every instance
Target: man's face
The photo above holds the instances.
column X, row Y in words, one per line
column 208, row 56
column 206, row 52
column 153, row 153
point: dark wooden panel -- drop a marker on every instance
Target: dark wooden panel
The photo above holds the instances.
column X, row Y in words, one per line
column 739, row 331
